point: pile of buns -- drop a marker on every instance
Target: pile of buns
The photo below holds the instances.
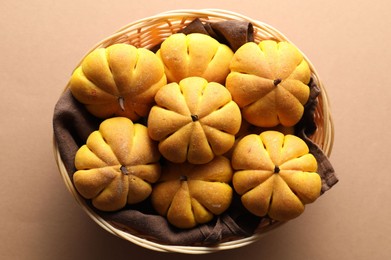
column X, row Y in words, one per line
column 194, row 124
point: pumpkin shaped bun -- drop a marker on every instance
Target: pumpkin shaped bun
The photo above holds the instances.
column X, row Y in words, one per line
column 275, row 175
column 117, row 165
column 189, row 194
column 120, row 80
column 269, row 82
column 195, row 54
column 194, row 120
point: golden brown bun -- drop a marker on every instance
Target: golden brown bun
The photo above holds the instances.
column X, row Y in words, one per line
column 120, row 80
column 117, row 165
column 269, row 83
column 246, row 129
column 275, row 175
column 195, row 55
column 194, row 120
column 190, row 194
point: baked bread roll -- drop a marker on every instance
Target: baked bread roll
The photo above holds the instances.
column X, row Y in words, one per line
column 120, row 80
column 275, row 175
column 117, row 165
column 246, row 129
column 189, row 194
column 195, row 54
column 269, row 82
column 194, row 120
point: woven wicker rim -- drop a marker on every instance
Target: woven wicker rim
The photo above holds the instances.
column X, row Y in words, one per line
column 151, row 31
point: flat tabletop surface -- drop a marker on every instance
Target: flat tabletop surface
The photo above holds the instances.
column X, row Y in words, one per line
column 347, row 41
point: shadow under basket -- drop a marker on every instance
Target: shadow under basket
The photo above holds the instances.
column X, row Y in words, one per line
column 150, row 32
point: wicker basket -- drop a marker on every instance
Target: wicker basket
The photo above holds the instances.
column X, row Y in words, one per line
column 151, row 31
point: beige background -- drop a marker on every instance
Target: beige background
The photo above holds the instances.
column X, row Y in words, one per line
column 347, row 41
